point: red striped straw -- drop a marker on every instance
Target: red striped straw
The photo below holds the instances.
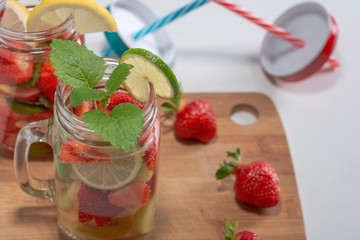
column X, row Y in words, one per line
column 270, row 27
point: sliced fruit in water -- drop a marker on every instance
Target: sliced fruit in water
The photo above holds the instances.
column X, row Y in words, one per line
column 145, row 174
column 65, row 200
column 31, row 94
column 109, row 175
column 134, row 195
column 76, row 152
column 144, row 220
column 148, row 68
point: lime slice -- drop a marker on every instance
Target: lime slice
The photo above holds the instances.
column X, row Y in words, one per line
column 148, row 68
column 15, row 16
column 109, row 175
column 88, row 16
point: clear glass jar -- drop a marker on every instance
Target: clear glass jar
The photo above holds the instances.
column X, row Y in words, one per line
column 27, row 83
column 100, row 192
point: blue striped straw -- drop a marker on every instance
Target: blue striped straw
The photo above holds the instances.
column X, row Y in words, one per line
column 169, row 18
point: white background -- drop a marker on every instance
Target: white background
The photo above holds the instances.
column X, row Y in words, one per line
column 217, row 51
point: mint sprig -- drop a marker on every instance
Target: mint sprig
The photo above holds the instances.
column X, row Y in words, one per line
column 122, row 127
column 75, row 65
column 82, row 70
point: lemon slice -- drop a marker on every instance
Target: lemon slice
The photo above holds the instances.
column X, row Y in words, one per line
column 88, row 16
column 148, row 68
column 109, row 175
column 15, row 16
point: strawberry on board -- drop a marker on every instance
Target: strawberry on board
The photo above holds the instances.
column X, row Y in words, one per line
column 233, row 234
column 195, row 120
column 256, row 183
column 47, row 82
column 14, row 69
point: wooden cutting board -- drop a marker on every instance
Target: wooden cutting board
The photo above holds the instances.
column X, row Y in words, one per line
column 192, row 204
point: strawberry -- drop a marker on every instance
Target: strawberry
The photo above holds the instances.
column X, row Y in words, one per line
column 246, row 235
column 134, row 195
column 122, row 97
column 14, row 70
column 196, row 120
column 232, row 234
column 47, row 82
column 31, row 94
column 93, row 204
column 75, row 152
column 256, row 183
column 83, row 108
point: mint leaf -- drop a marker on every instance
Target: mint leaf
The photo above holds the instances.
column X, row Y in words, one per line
column 117, row 77
column 24, row 108
column 122, row 127
column 75, row 65
column 79, row 95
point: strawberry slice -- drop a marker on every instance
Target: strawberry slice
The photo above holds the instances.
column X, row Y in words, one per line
column 84, row 217
column 74, row 152
column 83, row 108
column 31, row 94
column 48, row 82
column 134, row 195
column 152, row 135
column 103, row 221
column 14, row 70
column 122, row 97
column 93, row 204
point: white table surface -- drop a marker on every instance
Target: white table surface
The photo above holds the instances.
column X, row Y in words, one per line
column 217, row 51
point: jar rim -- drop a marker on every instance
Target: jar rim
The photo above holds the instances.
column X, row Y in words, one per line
column 61, row 106
column 7, row 34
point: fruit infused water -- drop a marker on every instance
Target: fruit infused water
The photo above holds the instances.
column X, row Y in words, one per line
column 27, row 82
column 105, row 134
column 103, row 192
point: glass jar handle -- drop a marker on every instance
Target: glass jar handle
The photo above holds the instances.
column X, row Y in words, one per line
column 31, row 133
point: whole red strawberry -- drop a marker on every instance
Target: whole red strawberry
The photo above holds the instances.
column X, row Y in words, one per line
column 196, row 120
column 232, row 234
column 48, row 81
column 256, row 183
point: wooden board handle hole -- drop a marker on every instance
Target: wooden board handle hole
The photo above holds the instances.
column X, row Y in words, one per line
column 244, row 114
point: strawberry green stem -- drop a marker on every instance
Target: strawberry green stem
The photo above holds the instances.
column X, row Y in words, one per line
column 229, row 167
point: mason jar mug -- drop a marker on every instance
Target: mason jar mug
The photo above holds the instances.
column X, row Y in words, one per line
column 27, row 82
column 100, row 192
